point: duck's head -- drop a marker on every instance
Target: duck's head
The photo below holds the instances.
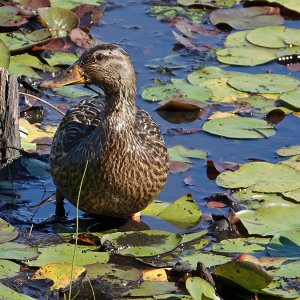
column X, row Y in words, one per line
column 106, row 65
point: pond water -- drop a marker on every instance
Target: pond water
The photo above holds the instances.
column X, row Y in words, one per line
column 145, row 38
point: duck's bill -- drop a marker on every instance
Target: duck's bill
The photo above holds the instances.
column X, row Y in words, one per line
column 71, row 75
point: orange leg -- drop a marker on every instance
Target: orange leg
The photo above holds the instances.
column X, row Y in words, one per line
column 59, row 209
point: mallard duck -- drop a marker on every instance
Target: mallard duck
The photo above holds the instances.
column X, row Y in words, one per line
column 127, row 158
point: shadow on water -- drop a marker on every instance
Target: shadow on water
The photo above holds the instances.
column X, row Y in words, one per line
column 146, row 38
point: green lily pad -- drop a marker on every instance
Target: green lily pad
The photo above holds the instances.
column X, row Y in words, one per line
column 293, row 162
column 246, row 274
column 152, row 288
column 16, row 41
column 199, row 288
column 270, row 219
column 238, row 246
column 143, row 243
column 5, row 55
column 70, row 4
column 39, row 35
column 262, row 177
column 173, row 91
column 7, row 293
column 181, row 153
column 210, row 3
column 20, row 70
column 252, row 200
column 238, row 40
column 57, row 58
column 208, row 259
column 289, row 151
column 59, row 20
column 279, row 288
column 118, row 279
column 17, row 251
column 221, row 91
column 173, row 297
column 263, row 83
column 245, row 56
column 285, row 244
column 7, row 13
column 74, row 91
column 239, row 128
column 295, row 195
column 246, row 17
column 8, row 269
column 291, row 98
column 63, row 253
column 274, row 37
column 289, row 269
column 203, row 74
column 290, row 4
column 7, row 231
column 184, row 213
column 60, row 273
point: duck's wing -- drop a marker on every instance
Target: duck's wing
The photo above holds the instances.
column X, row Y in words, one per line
column 78, row 123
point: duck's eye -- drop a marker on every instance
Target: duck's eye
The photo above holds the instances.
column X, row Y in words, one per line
column 99, row 56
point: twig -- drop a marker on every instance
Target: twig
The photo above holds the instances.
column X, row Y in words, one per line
column 43, row 101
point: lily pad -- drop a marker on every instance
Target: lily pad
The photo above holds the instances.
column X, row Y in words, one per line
column 274, row 37
column 239, row 128
column 262, row 177
column 290, row 4
column 143, row 243
column 60, row 274
column 39, row 35
column 74, row 91
column 208, row 259
column 17, row 251
column 16, row 41
column 7, row 13
column 245, row 56
column 199, row 288
column 57, row 58
column 152, row 288
column 285, row 244
column 270, row 219
column 295, row 195
column 63, row 253
column 173, row 91
column 246, row 274
column 59, row 20
column 291, row 98
column 210, row 3
column 8, row 269
column 7, row 293
column 70, row 4
column 181, row 153
column 289, row 151
column 5, row 55
column 238, row 246
column 7, row 232
column 289, row 269
column 264, row 83
column 280, row 288
column 247, row 17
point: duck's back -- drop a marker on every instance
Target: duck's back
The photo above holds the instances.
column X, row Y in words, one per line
column 125, row 172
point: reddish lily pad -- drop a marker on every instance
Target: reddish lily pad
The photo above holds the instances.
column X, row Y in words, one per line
column 60, row 21
column 182, row 154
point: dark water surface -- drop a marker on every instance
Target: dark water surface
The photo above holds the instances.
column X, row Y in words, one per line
column 146, row 38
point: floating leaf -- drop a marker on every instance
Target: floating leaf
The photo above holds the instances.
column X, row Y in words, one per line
column 289, row 151
column 179, row 167
column 245, row 56
column 155, row 275
column 60, row 274
column 7, row 232
column 279, row 288
column 274, row 37
column 17, row 251
column 285, row 244
column 5, row 55
column 291, row 98
column 241, row 245
column 247, row 17
column 16, row 41
column 151, row 288
column 70, row 4
column 173, row 91
column 8, row 269
column 7, row 293
column 295, row 195
column 39, row 35
column 263, row 83
column 262, row 177
column 57, row 58
column 288, row 269
column 270, row 219
column 239, row 128
column 183, row 213
column 246, row 274
column 182, row 154
column 143, row 243
column 63, row 253
column 215, row 3
column 59, row 20
column 199, row 288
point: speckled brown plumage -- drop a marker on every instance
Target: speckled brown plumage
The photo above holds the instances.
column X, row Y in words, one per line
column 128, row 160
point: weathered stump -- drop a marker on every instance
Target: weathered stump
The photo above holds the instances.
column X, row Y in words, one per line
column 9, row 118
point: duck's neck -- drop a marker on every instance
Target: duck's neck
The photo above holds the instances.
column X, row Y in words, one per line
column 120, row 106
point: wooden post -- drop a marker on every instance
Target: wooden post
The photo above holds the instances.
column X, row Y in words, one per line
column 9, row 118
